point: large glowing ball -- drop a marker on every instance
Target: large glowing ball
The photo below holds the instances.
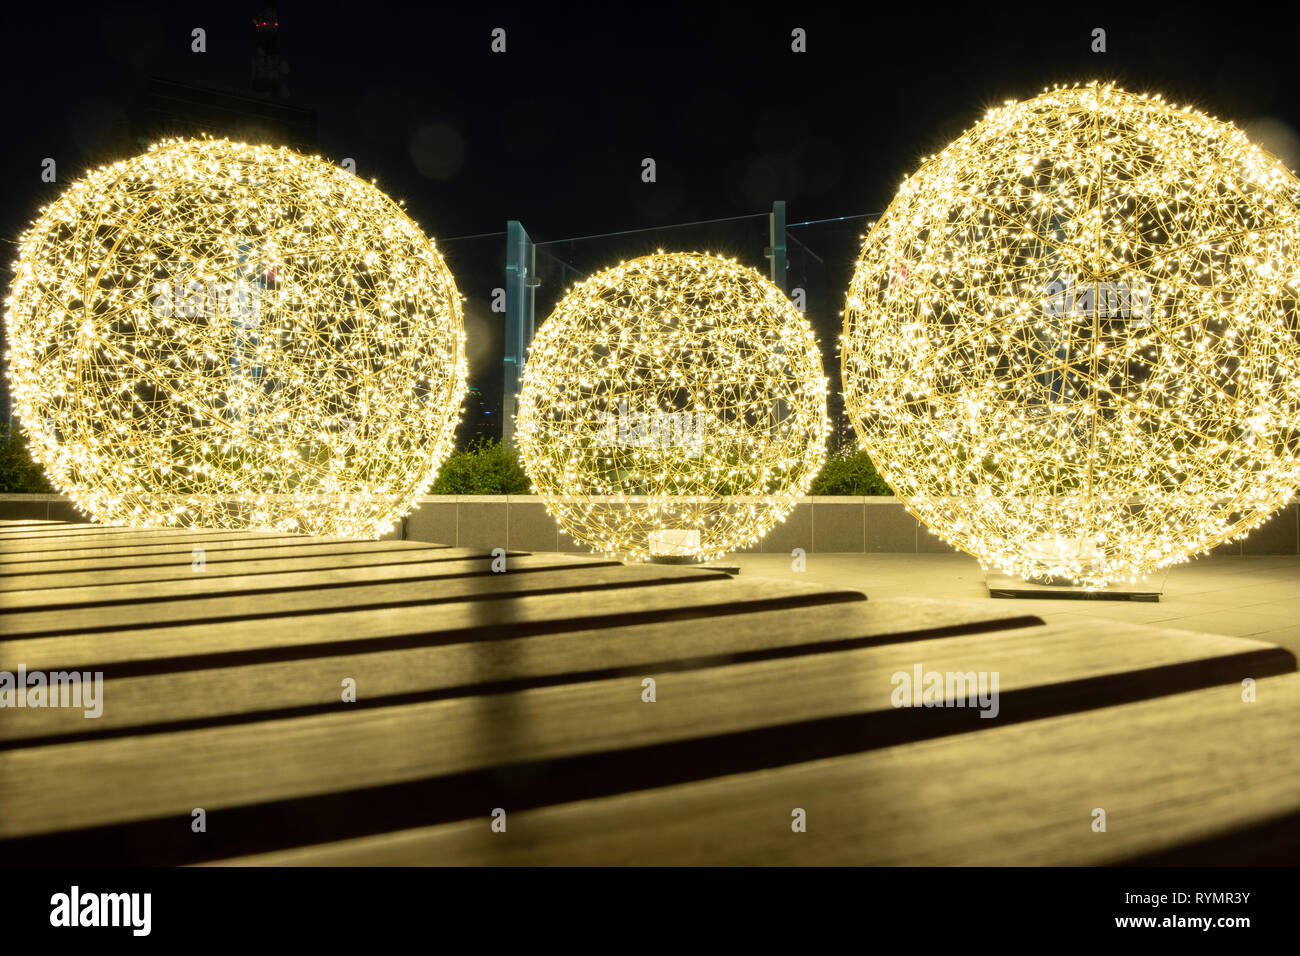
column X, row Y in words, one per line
column 674, row 406
column 229, row 336
column 1070, row 344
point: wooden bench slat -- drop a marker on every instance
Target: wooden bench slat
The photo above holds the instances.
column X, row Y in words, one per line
column 63, row 528
column 1042, row 671
column 285, row 554
column 107, row 533
column 178, row 546
column 56, row 595
column 180, row 646
column 378, row 596
column 472, row 666
column 1168, row 772
column 53, row 543
column 235, row 565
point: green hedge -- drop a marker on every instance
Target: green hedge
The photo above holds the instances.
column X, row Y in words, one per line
column 485, row 468
column 18, row 473
column 849, row 472
column 492, row 468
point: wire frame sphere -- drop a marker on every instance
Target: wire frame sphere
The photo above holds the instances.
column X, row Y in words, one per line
column 1070, row 343
column 674, row 405
column 220, row 335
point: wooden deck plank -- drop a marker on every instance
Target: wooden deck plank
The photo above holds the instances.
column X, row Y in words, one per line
column 499, row 614
column 1169, row 773
column 54, row 595
column 63, row 527
column 107, row 533
column 379, row 596
column 89, row 572
column 177, row 546
column 472, row 666
column 54, row 543
column 710, row 710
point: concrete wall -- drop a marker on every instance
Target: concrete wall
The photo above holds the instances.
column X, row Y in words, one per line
column 520, row 522
column 47, row 507
column 839, row 524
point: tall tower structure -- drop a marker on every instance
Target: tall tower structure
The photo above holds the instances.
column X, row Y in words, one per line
column 269, row 69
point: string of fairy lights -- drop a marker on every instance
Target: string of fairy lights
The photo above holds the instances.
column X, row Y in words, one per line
column 1070, row 343
column 222, row 335
column 680, row 392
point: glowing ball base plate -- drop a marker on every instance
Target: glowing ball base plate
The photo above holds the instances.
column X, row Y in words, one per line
column 1013, row 586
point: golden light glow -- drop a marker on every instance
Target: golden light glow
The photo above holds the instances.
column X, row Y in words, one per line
column 674, row 404
column 221, row 335
column 1070, row 343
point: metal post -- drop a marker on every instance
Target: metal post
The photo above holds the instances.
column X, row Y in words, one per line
column 776, row 251
column 521, row 263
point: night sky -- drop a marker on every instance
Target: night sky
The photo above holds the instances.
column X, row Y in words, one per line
column 553, row 131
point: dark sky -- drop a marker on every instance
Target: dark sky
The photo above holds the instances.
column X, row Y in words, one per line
column 553, row 132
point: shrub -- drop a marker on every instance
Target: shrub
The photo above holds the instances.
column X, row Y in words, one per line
column 18, row 473
column 849, row 472
column 485, row 468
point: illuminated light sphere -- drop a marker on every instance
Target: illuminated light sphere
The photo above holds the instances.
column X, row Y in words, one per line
column 1070, row 343
column 675, row 406
column 220, row 335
